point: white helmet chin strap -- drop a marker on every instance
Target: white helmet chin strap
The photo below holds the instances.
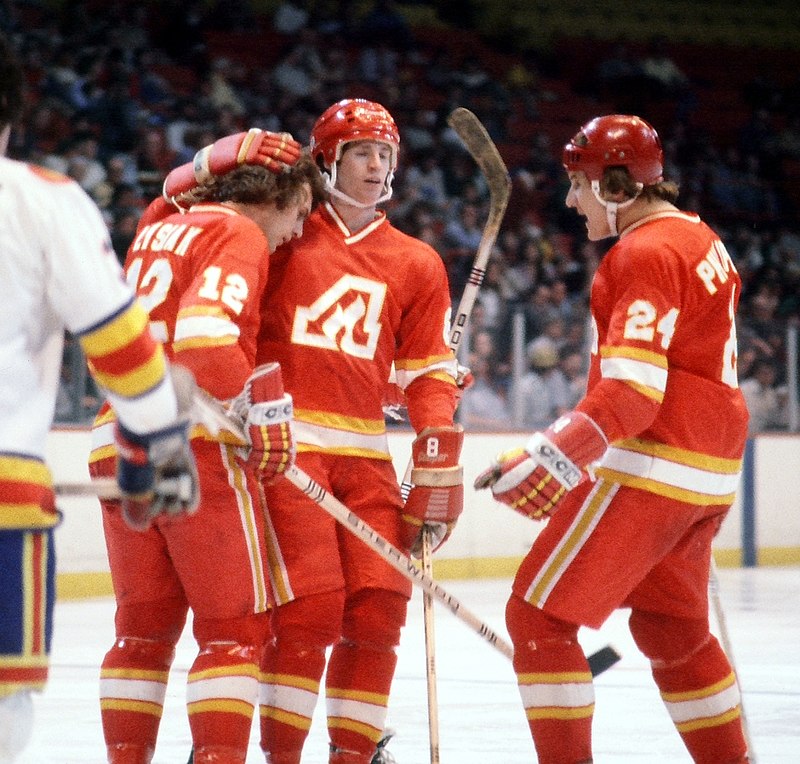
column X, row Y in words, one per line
column 612, row 208
column 330, row 185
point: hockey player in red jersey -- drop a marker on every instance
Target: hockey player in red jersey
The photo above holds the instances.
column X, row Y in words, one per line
column 344, row 302
column 200, row 273
column 635, row 481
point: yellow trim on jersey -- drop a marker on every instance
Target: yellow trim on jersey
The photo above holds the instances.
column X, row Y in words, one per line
column 360, row 696
column 442, row 376
column 553, row 712
column 647, row 392
column 637, row 354
column 24, row 470
column 204, row 342
column 248, row 506
column 367, row 730
column 136, row 706
column 341, row 421
column 682, row 455
column 668, row 491
column 117, row 333
column 635, row 371
column 29, row 516
column 291, row 719
column 137, row 381
column 583, row 525
column 364, row 453
column 675, row 473
column 415, row 364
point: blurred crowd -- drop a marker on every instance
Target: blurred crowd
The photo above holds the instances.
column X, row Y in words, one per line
column 119, row 93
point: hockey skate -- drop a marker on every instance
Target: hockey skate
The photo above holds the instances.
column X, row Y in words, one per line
column 382, row 755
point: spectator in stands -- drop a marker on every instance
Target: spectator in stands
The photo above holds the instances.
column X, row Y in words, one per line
column 490, row 296
column 424, row 179
column 483, row 406
column 290, row 17
column 661, row 72
column 543, row 390
column 765, row 402
column 384, row 22
column 572, row 362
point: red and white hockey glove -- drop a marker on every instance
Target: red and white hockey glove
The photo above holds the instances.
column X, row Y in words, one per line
column 275, row 151
column 437, row 497
column 533, row 479
column 156, row 470
column 266, row 410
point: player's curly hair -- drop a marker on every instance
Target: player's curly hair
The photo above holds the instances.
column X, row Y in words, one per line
column 11, row 84
column 616, row 179
column 253, row 184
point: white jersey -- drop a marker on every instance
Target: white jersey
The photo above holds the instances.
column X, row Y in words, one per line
column 58, row 270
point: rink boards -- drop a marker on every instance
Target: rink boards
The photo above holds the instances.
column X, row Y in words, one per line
column 763, row 527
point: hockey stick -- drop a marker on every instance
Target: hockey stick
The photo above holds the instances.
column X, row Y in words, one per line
column 482, row 149
column 430, row 651
column 722, row 623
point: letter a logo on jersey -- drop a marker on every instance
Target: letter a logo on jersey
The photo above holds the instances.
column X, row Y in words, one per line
column 346, row 317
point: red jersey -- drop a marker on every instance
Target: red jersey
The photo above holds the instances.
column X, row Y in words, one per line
column 200, row 276
column 662, row 381
column 339, row 309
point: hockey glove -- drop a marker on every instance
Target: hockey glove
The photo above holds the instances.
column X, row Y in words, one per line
column 437, row 497
column 464, row 380
column 156, row 471
column 266, row 410
column 275, row 151
column 533, row 479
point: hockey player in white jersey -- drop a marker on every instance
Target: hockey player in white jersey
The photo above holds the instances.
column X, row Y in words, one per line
column 58, row 272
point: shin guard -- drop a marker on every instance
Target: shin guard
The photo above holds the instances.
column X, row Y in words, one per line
column 555, row 683
column 221, row 696
column 360, row 673
column 133, row 683
column 292, row 665
column 697, row 685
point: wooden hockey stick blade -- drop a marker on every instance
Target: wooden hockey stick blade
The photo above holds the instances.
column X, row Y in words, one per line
column 482, row 149
column 603, row 660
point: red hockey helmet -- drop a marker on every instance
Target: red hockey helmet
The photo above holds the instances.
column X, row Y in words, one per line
column 353, row 119
column 616, row 140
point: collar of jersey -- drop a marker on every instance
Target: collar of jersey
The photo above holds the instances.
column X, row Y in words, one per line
column 349, row 236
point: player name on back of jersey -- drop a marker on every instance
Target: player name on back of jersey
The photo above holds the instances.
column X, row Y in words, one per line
column 170, row 237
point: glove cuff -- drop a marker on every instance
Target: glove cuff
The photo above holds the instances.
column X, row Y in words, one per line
column 271, row 412
column 543, row 451
column 445, row 477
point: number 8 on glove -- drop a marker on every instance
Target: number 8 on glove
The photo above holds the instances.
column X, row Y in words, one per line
column 437, row 498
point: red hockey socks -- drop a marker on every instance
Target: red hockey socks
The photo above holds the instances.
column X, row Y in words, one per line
column 133, row 683
column 555, row 684
column 360, row 672
column 221, row 695
column 697, row 685
column 292, row 665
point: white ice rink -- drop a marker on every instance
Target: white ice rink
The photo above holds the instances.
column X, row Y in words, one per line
column 480, row 717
